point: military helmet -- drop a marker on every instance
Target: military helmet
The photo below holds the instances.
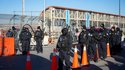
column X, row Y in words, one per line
column 113, row 27
column 118, row 29
column 83, row 26
column 102, row 25
column 13, row 28
column 92, row 28
column 77, row 30
column 25, row 28
column 64, row 31
column 38, row 27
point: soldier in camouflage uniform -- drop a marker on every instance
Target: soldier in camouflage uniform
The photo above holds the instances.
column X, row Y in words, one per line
column 83, row 39
column 93, row 41
column 64, row 46
column 38, row 36
column 102, row 41
column 25, row 38
column 9, row 33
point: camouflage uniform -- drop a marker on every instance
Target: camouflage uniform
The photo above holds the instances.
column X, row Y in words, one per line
column 25, row 38
column 64, row 46
column 39, row 35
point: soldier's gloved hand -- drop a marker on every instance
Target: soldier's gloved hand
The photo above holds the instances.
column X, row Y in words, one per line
column 68, row 53
column 57, row 49
column 34, row 40
column 20, row 41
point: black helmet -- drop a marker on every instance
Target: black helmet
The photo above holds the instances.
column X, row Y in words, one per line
column 64, row 31
column 77, row 30
column 9, row 30
column 113, row 27
column 117, row 29
column 13, row 28
column 92, row 27
column 24, row 29
column 38, row 27
column 27, row 28
column 84, row 27
column 102, row 25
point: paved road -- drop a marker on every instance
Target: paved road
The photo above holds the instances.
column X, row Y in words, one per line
column 39, row 61
column 42, row 61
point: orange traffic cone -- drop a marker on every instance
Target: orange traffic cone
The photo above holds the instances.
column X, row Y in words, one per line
column 84, row 57
column 28, row 62
column 108, row 50
column 75, row 63
column 54, row 65
column 96, row 57
column 97, row 52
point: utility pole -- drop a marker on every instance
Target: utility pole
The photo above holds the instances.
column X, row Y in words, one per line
column 22, row 20
column 44, row 14
column 119, row 13
column 22, row 7
column 31, row 18
column 14, row 19
column 119, row 7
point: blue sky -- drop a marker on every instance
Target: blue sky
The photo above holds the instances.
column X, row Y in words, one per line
column 108, row 6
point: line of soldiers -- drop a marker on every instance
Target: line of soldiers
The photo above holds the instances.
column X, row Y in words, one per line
column 92, row 38
column 12, row 32
column 25, row 39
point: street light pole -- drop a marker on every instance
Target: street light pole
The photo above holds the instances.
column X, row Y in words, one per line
column 44, row 13
column 119, row 7
column 22, row 7
column 119, row 13
column 22, row 14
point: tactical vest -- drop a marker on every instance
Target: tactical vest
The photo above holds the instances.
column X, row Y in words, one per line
column 63, row 43
column 25, row 36
column 83, row 37
column 9, row 34
column 39, row 35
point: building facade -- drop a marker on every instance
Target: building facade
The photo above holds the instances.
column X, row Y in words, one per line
column 59, row 17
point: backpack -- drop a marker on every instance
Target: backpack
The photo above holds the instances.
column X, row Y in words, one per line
column 38, row 34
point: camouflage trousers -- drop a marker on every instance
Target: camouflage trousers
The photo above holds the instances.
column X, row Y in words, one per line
column 64, row 56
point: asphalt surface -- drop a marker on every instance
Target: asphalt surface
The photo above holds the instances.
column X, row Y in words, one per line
column 42, row 61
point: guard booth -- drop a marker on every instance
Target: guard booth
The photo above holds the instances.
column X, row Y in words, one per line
column 6, row 45
column 0, row 46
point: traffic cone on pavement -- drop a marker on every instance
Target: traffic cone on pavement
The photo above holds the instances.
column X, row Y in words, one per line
column 75, row 63
column 84, row 57
column 54, row 65
column 96, row 57
column 108, row 50
column 28, row 62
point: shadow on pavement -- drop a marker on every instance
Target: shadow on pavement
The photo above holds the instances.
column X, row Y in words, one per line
column 91, row 67
column 114, row 66
column 12, row 62
column 18, row 62
column 119, row 63
column 120, row 57
column 40, row 63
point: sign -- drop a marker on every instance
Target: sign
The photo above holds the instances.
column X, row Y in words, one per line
column 67, row 17
column 87, row 20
